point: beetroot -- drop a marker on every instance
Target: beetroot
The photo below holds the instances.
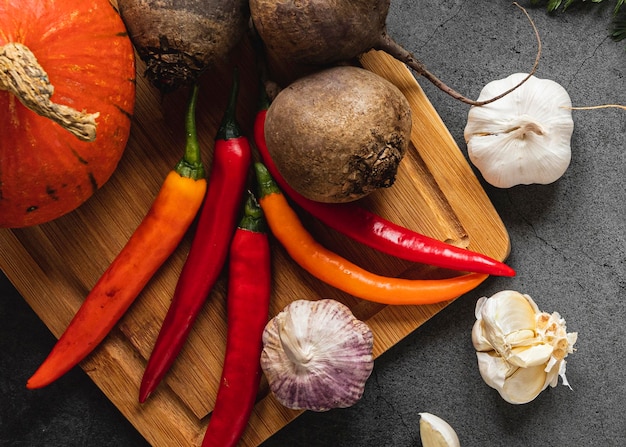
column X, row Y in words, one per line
column 180, row 39
column 338, row 134
column 321, row 32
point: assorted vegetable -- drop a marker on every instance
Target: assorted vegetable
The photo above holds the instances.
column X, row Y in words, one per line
column 216, row 224
column 317, row 355
column 64, row 110
column 341, row 273
column 156, row 237
column 180, row 39
column 520, row 349
column 249, row 290
column 370, row 229
column 435, row 432
column 523, row 138
column 338, row 134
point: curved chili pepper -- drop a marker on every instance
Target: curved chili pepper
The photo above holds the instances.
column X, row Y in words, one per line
column 342, row 274
column 249, row 291
column 153, row 241
column 372, row 230
column 209, row 248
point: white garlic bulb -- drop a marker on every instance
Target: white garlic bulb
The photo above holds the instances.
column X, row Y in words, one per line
column 435, row 432
column 520, row 349
column 524, row 137
column 317, row 355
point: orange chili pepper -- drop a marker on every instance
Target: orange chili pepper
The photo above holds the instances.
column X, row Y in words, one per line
column 154, row 240
column 341, row 273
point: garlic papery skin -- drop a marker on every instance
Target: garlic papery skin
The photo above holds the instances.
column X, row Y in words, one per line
column 520, row 349
column 317, row 355
column 435, row 432
column 524, row 137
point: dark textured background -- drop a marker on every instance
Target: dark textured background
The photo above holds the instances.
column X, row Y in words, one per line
column 568, row 247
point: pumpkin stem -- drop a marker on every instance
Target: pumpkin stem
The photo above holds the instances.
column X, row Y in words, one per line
column 21, row 74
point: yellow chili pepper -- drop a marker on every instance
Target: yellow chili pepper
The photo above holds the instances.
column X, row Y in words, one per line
column 337, row 271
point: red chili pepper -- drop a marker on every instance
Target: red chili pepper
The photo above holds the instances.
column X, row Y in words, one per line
column 209, row 248
column 249, row 290
column 372, row 230
column 157, row 236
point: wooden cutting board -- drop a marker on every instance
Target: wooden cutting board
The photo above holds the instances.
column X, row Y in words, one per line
column 54, row 265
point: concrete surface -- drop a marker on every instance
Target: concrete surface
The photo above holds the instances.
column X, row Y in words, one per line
column 568, row 246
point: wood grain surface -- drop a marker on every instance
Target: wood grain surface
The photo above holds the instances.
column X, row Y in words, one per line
column 54, row 265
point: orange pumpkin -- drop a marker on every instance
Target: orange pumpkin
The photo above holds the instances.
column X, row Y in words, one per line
column 86, row 56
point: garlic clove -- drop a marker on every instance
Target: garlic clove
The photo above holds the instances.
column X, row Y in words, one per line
column 505, row 320
column 479, row 338
column 480, row 304
column 494, row 369
column 520, row 339
column 317, row 355
column 516, row 385
column 509, row 312
column 524, row 137
column 435, row 432
column 527, row 356
column 524, row 385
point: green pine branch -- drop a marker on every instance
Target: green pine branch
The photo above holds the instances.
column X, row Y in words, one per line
column 619, row 27
column 618, row 31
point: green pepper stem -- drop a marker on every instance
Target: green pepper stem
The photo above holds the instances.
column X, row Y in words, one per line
column 265, row 181
column 191, row 164
column 253, row 218
column 229, row 128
